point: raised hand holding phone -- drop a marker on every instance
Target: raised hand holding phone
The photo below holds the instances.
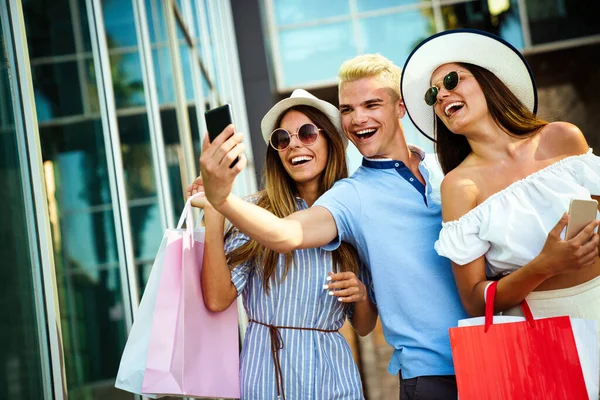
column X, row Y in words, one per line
column 217, row 119
column 215, row 164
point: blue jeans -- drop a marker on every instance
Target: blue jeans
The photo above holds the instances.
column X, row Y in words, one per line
column 437, row 387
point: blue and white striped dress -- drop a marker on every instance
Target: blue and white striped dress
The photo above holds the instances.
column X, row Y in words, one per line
column 315, row 365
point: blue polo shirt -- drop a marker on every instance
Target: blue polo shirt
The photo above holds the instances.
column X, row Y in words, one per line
column 393, row 221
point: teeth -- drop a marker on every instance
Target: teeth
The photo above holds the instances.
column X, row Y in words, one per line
column 456, row 103
column 298, row 159
column 366, row 131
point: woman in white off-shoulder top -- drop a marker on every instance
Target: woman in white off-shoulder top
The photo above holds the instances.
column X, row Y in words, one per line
column 510, row 177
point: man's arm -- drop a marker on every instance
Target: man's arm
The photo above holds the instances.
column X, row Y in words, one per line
column 314, row 227
column 304, row 229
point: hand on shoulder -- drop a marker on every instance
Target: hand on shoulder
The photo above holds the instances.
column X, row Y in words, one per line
column 563, row 139
column 459, row 195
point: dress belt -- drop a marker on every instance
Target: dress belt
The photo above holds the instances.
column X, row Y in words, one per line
column 277, row 344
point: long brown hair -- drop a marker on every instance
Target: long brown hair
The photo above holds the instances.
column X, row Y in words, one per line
column 279, row 197
column 505, row 108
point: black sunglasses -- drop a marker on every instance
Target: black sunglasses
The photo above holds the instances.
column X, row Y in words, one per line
column 450, row 82
column 307, row 134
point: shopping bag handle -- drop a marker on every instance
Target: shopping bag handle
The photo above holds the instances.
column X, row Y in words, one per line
column 490, row 296
column 187, row 216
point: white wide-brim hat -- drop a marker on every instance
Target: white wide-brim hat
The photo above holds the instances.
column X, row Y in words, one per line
column 297, row 98
column 468, row 46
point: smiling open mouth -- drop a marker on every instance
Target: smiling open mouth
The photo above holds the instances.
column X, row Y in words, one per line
column 453, row 108
column 300, row 160
column 365, row 133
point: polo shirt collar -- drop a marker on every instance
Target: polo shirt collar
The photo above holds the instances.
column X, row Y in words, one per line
column 388, row 163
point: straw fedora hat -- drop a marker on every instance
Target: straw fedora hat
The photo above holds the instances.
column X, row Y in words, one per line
column 469, row 46
column 301, row 97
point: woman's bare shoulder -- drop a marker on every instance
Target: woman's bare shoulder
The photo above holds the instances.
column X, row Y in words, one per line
column 459, row 193
column 563, row 139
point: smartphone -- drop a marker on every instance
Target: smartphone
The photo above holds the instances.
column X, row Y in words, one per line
column 581, row 213
column 217, row 120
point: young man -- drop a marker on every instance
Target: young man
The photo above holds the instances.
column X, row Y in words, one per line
column 389, row 210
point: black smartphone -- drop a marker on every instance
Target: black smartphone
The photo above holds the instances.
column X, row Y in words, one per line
column 217, row 120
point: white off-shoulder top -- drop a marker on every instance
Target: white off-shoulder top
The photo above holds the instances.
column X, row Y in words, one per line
column 511, row 226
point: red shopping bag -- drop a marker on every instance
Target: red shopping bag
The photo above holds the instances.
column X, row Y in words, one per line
column 532, row 359
column 193, row 352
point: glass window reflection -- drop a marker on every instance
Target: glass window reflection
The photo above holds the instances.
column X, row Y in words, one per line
column 315, row 53
column 293, row 11
column 49, row 29
column 88, row 240
column 369, row 5
column 57, row 89
column 395, row 35
column 164, row 76
column 562, row 19
column 174, row 156
column 477, row 15
column 20, row 358
column 186, row 71
column 128, row 87
column 119, row 23
column 136, row 151
column 77, row 152
column 146, row 228
column 95, row 322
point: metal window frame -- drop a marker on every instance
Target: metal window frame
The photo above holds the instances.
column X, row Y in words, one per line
column 115, row 169
column 188, row 171
column 157, row 143
column 37, row 215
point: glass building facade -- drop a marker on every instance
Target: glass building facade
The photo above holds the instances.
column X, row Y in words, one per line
column 101, row 107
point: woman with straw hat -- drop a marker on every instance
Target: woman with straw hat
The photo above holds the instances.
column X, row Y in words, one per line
column 292, row 348
column 510, row 177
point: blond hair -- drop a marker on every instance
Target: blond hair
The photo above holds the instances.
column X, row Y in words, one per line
column 371, row 66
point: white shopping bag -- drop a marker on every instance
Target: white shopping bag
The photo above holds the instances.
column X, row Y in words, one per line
column 133, row 361
column 586, row 334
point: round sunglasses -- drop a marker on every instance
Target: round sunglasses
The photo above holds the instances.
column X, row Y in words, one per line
column 450, row 82
column 307, row 134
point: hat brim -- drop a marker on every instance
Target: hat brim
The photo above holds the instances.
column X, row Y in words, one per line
column 269, row 121
column 468, row 46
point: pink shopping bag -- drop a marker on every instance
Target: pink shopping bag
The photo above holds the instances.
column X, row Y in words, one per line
column 192, row 351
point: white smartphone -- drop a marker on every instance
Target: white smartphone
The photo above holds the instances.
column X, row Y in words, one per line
column 581, row 213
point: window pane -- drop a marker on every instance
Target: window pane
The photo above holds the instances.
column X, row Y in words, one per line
column 292, row 11
column 136, row 151
column 128, row 87
column 395, row 35
column 196, row 137
column 88, row 240
column 186, row 70
column 77, row 152
column 315, row 53
column 20, row 359
column 49, row 29
column 368, row 5
column 57, row 90
column 551, row 21
column 119, row 23
column 95, row 334
column 174, row 155
column 156, row 21
column 164, row 76
column 146, row 229
column 504, row 22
